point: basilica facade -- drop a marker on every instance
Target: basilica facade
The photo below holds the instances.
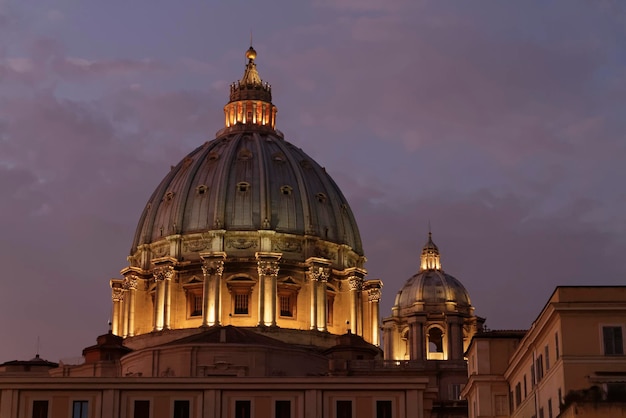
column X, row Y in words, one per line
column 246, row 295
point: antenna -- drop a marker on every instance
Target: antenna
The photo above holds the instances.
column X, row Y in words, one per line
column 251, row 37
column 37, row 351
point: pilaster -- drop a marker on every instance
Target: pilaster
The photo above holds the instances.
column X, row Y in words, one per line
column 267, row 265
column 162, row 274
column 319, row 273
column 212, row 268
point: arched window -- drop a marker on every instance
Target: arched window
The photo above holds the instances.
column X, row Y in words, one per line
column 436, row 344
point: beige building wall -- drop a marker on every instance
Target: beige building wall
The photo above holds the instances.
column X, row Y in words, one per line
column 563, row 351
column 310, row 397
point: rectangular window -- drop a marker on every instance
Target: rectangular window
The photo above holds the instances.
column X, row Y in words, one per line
column 518, row 395
column 330, row 299
column 525, row 388
column 344, row 409
column 455, row 392
column 613, row 341
column 541, row 413
column 539, row 368
column 533, row 380
column 547, row 351
column 181, row 409
column 560, row 395
column 241, row 303
column 142, row 409
column 195, row 304
column 511, row 407
column 556, row 345
column 40, row 409
column 549, row 408
column 500, row 404
column 615, row 392
column 283, row 409
column 383, row 409
column 80, row 409
column 242, row 409
column 285, row 306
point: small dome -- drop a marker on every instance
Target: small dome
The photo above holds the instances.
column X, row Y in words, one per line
column 431, row 286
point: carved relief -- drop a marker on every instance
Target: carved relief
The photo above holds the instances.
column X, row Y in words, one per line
column 160, row 250
column 196, row 244
column 324, row 252
column 288, row 245
column 212, row 267
column 241, row 243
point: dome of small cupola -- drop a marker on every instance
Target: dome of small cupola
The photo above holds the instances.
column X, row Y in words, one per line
column 431, row 285
column 432, row 317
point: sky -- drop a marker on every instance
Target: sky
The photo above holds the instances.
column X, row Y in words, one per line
column 502, row 124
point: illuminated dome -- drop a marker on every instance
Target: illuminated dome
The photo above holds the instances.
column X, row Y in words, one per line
column 431, row 285
column 247, row 230
column 249, row 179
column 432, row 317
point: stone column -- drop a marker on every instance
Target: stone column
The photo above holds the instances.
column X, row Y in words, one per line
column 162, row 275
column 319, row 272
column 267, row 265
column 388, row 342
column 373, row 297
column 322, row 302
column 117, row 295
column 356, row 287
column 455, row 338
column 417, row 340
column 313, row 281
column 130, row 285
column 213, row 268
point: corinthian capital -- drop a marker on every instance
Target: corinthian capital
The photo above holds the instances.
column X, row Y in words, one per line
column 268, row 267
column 356, row 283
column 130, row 282
column 163, row 273
column 212, row 267
column 373, row 295
column 319, row 273
column 117, row 294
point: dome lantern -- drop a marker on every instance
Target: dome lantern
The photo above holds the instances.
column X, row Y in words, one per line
column 250, row 103
column 430, row 258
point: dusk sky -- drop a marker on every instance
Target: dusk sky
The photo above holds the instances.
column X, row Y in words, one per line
column 502, row 123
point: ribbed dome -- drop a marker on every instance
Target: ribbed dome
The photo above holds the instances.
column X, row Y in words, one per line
column 250, row 179
column 431, row 286
column 247, row 181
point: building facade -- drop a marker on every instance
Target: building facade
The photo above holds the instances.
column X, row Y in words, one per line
column 574, row 352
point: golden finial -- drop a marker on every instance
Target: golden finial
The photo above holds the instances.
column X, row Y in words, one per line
column 251, row 53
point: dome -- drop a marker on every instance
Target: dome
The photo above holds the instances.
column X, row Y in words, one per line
column 431, row 285
column 249, row 178
column 247, row 230
column 248, row 181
